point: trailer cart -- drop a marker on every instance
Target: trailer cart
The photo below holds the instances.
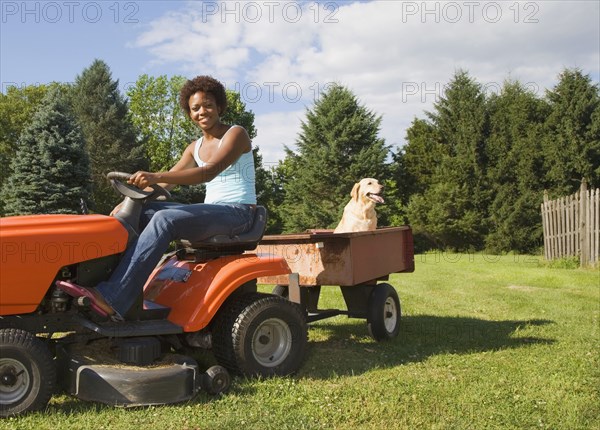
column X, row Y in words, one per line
column 356, row 262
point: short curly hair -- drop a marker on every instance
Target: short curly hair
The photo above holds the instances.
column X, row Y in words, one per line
column 206, row 84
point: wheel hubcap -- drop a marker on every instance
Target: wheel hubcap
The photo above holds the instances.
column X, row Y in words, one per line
column 272, row 342
column 14, row 380
column 390, row 315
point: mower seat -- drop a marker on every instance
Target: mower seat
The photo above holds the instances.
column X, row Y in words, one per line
column 227, row 245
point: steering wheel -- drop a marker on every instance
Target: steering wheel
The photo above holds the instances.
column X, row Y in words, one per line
column 119, row 182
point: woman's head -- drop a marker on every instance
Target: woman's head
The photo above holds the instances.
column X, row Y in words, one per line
column 206, row 84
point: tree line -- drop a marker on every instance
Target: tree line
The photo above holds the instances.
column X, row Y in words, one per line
column 471, row 174
column 477, row 166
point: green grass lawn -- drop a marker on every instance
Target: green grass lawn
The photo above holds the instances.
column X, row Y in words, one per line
column 487, row 342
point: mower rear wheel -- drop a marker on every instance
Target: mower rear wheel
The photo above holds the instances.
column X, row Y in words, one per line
column 27, row 373
column 260, row 335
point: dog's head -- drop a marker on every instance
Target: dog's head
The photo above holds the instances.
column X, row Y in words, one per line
column 367, row 190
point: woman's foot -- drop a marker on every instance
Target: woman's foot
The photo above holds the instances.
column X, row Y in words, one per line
column 98, row 303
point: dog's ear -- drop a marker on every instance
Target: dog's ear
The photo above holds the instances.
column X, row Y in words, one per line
column 354, row 192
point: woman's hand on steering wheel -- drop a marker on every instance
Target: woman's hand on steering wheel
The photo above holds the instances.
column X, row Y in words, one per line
column 143, row 179
column 126, row 185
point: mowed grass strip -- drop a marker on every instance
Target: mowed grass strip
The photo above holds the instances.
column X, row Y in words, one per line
column 487, row 342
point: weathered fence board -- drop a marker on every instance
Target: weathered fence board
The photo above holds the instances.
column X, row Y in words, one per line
column 572, row 226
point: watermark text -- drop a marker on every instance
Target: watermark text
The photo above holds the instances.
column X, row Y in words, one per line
column 53, row 12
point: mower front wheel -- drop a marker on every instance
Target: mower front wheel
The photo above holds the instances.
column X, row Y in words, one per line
column 216, row 380
column 27, row 373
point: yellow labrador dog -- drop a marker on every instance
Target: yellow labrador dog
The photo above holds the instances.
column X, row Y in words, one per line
column 359, row 213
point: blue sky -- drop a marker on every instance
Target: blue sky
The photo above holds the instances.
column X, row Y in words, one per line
column 396, row 56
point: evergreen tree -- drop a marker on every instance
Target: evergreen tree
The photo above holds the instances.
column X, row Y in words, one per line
column 338, row 145
column 572, row 136
column 412, row 169
column 50, row 172
column 452, row 210
column 515, row 169
column 421, row 155
column 17, row 107
column 110, row 136
column 397, row 193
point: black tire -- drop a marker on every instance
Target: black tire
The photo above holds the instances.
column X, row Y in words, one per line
column 27, row 373
column 260, row 335
column 216, row 380
column 384, row 312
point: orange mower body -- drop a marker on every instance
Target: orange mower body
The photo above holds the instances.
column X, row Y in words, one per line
column 35, row 248
column 198, row 297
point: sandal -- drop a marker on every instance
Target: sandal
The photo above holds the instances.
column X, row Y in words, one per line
column 97, row 302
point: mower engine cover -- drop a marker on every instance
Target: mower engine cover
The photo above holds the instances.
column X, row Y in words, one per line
column 34, row 249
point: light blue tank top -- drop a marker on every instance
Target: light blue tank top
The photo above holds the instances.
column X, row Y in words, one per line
column 235, row 184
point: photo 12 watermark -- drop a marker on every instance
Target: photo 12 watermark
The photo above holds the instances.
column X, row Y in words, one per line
column 55, row 251
column 272, row 91
column 470, row 11
column 439, row 256
column 253, row 12
column 426, row 92
column 53, row 12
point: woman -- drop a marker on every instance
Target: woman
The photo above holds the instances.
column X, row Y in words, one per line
column 222, row 159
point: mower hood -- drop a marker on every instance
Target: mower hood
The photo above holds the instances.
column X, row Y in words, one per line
column 35, row 247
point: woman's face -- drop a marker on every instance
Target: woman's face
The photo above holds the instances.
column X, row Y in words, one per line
column 204, row 110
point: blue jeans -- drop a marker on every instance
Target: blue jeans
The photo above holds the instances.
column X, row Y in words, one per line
column 162, row 223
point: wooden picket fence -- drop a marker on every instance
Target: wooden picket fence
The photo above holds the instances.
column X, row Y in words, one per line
column 572, row 226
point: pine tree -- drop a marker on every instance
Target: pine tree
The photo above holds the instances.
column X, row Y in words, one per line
column 16, row 108
column 452, row 210
column 421, row 155
column 50, row 172
column 515, row 169
column 572, row 136
column 338, row 145
column 111, row 139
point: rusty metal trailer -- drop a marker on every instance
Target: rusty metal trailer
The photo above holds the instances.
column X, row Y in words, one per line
column 356, row 262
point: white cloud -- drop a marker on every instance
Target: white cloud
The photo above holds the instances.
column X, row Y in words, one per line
column 395, row 56
column 276, row 130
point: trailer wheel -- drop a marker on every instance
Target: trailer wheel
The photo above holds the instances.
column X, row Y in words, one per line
column 260, row 335
column 27, row 373
column 384, row 312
